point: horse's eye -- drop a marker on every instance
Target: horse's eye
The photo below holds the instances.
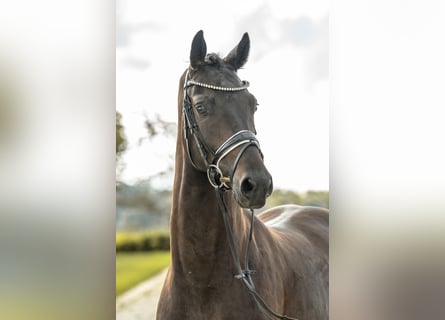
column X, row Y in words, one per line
column 256, row 107
column 201, row 109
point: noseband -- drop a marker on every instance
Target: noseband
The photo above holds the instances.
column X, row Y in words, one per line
column 244, row 138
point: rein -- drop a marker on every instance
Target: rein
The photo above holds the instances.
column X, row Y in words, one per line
column 220, row 183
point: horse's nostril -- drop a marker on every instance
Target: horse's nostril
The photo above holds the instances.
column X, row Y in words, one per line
column 247, row 186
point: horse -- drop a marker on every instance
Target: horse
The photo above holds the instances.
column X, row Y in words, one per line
column 220, row 177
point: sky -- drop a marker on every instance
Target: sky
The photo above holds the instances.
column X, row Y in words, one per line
column 287, row 69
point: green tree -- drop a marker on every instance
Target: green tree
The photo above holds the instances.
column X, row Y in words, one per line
column 316, row 198
column 158, row 127
column 280, row 197
column 121, row 139
column 309, row 198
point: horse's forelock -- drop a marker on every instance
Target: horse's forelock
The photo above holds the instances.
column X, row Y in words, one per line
column 213, row 59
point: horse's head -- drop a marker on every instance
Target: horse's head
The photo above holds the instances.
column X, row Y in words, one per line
column 218, row 119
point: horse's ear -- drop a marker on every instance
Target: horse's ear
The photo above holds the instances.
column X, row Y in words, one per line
column 238, row 56
column 198, row 51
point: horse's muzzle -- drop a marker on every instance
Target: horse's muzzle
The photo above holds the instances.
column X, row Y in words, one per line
column 253, row 188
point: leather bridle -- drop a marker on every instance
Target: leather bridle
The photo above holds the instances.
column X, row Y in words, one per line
column 243, row 139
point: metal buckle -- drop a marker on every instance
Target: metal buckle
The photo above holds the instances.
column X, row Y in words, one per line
column 216, row 177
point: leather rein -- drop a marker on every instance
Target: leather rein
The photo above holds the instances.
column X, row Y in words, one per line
column 220, row 183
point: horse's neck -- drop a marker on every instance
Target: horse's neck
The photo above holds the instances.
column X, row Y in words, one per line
column 199, row 244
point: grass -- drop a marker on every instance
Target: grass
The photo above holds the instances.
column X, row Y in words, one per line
column 132, row 268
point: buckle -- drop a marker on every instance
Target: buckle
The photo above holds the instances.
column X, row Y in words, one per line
column 216, row 177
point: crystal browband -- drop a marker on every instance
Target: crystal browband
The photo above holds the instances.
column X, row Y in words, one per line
column 210, row 86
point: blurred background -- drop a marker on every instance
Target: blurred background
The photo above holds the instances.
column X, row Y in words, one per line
column 57, row 160
column 63, row 69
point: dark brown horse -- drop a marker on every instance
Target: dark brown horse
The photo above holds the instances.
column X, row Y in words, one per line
column 217, row 150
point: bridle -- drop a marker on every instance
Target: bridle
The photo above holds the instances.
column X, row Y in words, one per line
column 221, row 183
column 244, row 138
